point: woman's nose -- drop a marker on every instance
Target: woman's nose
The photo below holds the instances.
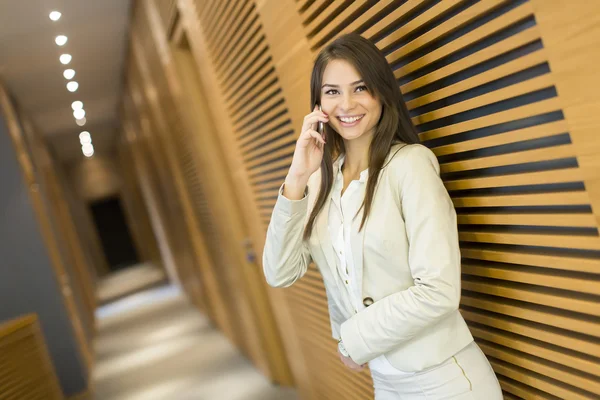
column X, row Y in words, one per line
column 347, row 102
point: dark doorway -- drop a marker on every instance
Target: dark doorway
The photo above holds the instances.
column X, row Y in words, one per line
column 114, row 233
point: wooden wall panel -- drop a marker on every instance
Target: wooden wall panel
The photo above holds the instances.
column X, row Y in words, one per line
column 167, row 72
column 26, row 372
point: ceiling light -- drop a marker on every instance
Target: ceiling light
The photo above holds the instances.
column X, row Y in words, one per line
column 65, row 59
column 87, row 149
column 77, row 105
column 81, row 122
column 79, row 113
column 61, row 40
column 72, row 86
column 88, row 152
column 85, row 135
column 85, row 140
column 69, row 74
column 55, row 15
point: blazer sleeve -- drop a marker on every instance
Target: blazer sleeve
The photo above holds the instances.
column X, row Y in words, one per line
column 434, row 261
column 286, row 257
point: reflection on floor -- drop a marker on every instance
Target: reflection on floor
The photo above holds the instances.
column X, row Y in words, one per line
column 155, row 346
column 129, row 280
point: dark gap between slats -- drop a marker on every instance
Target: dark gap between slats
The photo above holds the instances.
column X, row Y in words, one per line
column 494, row 38
column 240, row 94
column 234, row 24
column 281, row 125
column 515, row 147
column 538, row 166
column 309, row 18
column 513, row 337
column 531, row 391
column 254, row 60
column 496, row 129
column 239, row 62
column 477, row 91
column 536, row 289
column 238, row 22
column 472, row 71
column 532, row 307
column 290, row 142
column 306, row 5
column 536, row 342
column 266, row 190
column 489, row 109
column 397, row 24
column 530, row 229
column 263, row 101
column 533, row 270
column 338, row 28
column 534, row 250
column 238, row 85
column 265, row 198
column 534, row 325
column 522, row 189
column 330, row 18
column 555, row 209
column 436, row 21
column 231, row 51
column 263, row 123
column 239, row 107
column 272, row 162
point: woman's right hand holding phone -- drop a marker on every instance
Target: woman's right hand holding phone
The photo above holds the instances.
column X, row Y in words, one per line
column 307, row 155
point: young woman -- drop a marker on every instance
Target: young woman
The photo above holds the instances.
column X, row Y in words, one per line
column 365, row 202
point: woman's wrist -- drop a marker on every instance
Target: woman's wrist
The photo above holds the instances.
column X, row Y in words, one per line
column 294, row 187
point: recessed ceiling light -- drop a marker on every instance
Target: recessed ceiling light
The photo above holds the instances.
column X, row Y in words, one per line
column 78, row 114
column 72, row 86
column 61, row 40
column 88, row 152
column 85, row 140
column 76, row 105
column 65, row 59
column 84, row 135
column 81, row 122
column 55, row 15
column 69, row 74
column 87, row 149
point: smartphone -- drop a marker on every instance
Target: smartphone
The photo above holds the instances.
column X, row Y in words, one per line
column 320, row 127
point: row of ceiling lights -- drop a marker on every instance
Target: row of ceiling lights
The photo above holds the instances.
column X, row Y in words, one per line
column 78, row 112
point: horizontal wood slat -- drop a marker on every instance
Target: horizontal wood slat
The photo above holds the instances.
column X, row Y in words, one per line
column 26, row 371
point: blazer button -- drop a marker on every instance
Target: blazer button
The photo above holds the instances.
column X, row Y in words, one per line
column 367, row 301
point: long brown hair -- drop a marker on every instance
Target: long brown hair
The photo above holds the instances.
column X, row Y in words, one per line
column 394, row 126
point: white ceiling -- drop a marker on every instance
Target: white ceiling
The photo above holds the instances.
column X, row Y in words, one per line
column 30, row 67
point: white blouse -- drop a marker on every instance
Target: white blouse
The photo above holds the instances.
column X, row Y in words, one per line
column 342, row 211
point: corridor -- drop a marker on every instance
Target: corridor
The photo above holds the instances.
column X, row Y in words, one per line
column 154, row 345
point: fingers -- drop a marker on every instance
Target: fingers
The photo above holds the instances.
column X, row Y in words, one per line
column 312, row 134
column 311, row 120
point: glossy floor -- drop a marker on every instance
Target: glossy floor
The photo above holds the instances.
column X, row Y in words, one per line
column 154, row 346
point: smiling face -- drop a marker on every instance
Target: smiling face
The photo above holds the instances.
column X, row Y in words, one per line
column 353, row 111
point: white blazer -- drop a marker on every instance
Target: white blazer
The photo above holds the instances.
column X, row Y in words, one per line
column 407, row 257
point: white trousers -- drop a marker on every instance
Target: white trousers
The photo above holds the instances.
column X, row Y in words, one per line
column 466, row 376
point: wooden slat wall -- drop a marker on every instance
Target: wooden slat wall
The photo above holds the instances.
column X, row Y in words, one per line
column 160, row 72
column 26, row 372
column 518, row 154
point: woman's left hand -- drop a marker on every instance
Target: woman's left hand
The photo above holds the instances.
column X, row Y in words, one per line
column 349, row 363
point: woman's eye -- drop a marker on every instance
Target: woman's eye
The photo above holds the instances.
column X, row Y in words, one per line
column 331, row 92
column 361, row 88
